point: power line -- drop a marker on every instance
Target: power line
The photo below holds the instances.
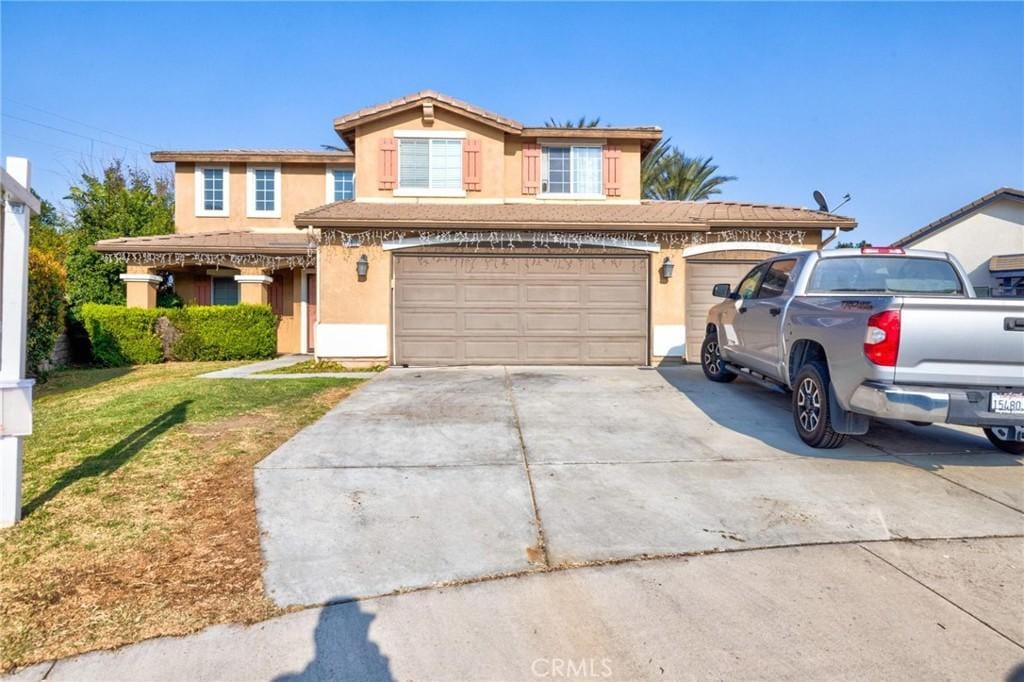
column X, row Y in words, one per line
column 48, row 144
column 71, row 132
column 87, row 125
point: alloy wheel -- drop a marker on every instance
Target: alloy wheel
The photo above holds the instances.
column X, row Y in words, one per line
column 712, row 360
column 808, row 405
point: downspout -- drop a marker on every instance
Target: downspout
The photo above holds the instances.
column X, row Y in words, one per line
column 825, row 242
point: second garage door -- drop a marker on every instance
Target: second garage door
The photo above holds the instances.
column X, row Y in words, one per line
column 468, row 309
column 701, row 276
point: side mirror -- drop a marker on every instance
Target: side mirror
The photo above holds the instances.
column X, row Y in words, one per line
column 721, row 291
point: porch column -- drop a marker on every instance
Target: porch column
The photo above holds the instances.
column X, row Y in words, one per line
column 140, row 286
column 254, row 286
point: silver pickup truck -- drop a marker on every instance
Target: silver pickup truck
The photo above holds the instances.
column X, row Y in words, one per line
column 873, row 332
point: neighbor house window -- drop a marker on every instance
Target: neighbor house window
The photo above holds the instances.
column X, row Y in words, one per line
column 571, row 169
column 430, row 164
column 264, row 187
column 225, row 291
column 211, row 191
column 343, row 185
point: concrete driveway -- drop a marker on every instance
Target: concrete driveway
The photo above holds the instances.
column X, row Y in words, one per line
column 442, row 476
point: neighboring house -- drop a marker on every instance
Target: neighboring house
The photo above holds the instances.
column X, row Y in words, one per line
column 453, row 235
column 986, row 236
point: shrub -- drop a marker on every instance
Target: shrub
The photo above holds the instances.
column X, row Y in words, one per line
column 235, row 332
column 123, row 336
column 46, row 287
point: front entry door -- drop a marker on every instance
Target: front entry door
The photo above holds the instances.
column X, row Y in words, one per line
column 310, row 313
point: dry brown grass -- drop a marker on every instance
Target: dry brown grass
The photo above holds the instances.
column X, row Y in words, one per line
column 156, row 534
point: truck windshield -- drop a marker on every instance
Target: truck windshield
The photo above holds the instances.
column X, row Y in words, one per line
column 885, row 275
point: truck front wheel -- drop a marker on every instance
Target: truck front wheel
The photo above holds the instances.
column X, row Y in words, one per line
column 1012, row 446
column 711, row 361
column 811, row 407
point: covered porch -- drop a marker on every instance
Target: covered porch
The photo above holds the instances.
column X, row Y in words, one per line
column 227, row 268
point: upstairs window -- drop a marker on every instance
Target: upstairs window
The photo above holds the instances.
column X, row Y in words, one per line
column 264, row 192
column 571, row 169
column 342, row 185
column 430, row 165
column 211, row 191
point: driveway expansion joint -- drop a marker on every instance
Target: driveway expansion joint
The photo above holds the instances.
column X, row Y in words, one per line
column 541, row 544
column 943, row 597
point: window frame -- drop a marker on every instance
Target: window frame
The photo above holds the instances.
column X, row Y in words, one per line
column 429, row 135
column 200, row 191
column 250, row 203
column 225, row 278
column 757, row 287
column 572, row 145
column 789, row 277
column 329, row 183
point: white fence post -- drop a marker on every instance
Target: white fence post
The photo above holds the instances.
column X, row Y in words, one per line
column 15, row 389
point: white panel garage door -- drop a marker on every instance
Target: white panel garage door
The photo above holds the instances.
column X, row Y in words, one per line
column 701, row 276
column 469, row 309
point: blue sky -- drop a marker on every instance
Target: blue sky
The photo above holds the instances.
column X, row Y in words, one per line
column 914, row 109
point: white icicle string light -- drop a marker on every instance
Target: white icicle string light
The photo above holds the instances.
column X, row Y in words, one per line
column 494, row 240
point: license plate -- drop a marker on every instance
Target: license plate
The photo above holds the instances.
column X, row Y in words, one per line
column 1007, row 403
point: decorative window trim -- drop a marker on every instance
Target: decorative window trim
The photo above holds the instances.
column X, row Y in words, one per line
column 593, row 196
column 329, row 182
column 200, row 192
column 250, row 193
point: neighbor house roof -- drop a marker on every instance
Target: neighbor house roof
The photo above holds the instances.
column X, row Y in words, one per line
column 653, row 215
column 1001, row 193
column 255, row 155
column 228, row 241
column 1006, row 263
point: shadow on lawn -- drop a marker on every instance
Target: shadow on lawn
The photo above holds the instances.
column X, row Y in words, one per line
column 111, row 459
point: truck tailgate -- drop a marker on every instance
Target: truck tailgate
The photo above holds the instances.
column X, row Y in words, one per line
column 961, row 341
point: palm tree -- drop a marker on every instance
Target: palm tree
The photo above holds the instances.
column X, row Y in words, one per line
column 670, row 175
column 583, row 122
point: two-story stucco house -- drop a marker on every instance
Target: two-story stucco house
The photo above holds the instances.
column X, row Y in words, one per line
column 454, row 235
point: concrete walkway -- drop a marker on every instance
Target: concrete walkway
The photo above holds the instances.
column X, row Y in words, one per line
column 255, row 370
column 879, row 610
column 430, row 476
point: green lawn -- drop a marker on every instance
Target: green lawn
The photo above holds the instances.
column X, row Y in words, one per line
column 138, row 503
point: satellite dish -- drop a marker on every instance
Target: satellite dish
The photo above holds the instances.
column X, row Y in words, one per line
column 819, row 199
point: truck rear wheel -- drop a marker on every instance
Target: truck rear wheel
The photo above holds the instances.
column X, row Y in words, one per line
column 1012, row 446
column 711, row 361
column 811, row 407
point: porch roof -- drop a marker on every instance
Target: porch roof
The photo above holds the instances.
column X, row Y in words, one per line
column 647, row 215
column 236, row 247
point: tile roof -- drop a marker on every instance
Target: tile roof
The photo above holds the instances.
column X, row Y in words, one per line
column 264, row 155
column 1006, row 263
column 1001, row 193
column 229, row 241
column 655, row 215
column 348, row 120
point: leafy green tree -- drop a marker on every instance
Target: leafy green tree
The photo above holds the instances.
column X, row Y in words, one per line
column 850, row 245
column 45, row 308
column 48, row 231
column 121, row 202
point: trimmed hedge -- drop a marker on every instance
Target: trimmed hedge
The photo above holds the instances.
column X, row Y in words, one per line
column 134, row 336
column 224, row 332
column 123, row 336
column 46, row 285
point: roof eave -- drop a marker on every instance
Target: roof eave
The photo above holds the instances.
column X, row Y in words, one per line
column 338, row 158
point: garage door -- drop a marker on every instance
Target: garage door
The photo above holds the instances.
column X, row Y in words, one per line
column 701, row 276
column 466, row 310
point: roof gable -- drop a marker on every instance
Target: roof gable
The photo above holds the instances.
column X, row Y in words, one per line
column 423, row 98
column 1002, row 193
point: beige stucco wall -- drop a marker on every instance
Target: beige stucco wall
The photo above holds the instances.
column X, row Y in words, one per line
column 995, row 229
column 303, row 186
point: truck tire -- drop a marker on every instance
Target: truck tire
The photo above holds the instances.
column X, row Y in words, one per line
column 1011, row 446
column 711, row 361
column 811, row 407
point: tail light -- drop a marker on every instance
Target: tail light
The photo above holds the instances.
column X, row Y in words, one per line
column 882, row 341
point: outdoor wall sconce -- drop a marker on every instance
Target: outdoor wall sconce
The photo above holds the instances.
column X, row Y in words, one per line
column 362, row 266
column 667, row 266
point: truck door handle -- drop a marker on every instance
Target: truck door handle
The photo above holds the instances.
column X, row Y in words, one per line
column 775, row 311
column 1013, row 324
column 743, row 310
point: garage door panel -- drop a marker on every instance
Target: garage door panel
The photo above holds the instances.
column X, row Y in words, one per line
column 489, row 322
column 701, row 277
column 520, row 310
column 548, row 323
